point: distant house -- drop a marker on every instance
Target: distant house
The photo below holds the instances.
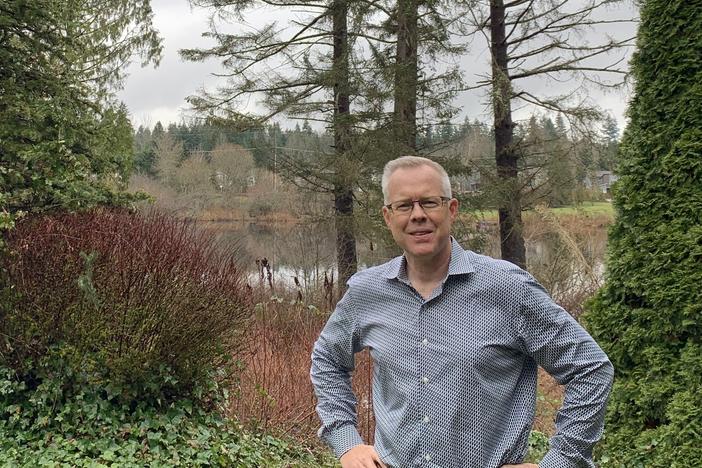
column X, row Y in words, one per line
column 221, row 180
column 601, row 180
column 224, row 181
column 466, row 184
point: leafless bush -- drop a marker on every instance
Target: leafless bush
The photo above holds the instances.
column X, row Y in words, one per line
column 275, row 390
column 146, row 290
column 568, row 255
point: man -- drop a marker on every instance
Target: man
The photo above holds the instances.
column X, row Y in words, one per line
column 455, row 339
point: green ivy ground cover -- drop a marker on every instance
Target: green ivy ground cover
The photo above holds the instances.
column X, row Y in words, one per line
column 57, row 416
column 60, row 417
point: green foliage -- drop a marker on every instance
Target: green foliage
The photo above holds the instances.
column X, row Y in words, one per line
column 67, row 411
column 62, row 142
column 648, row 317
column 538, row 446
column 607, row 159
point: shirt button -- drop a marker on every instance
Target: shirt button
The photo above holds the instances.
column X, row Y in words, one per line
column 427, row 457
column 425, row 342
column 425, row 419
column 425, row 380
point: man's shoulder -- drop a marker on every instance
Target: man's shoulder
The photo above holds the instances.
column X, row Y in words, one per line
column 496, row 270
column 486, row 262
column 373, row 275
column 497, row 281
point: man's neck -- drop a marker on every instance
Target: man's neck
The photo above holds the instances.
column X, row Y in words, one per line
column 427, row 273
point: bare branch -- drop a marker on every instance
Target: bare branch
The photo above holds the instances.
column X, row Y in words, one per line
column 556, row 65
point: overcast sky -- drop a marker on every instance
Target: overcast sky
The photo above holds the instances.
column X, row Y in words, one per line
column 159, row 94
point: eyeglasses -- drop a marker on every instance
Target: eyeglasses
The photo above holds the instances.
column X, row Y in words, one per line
column 428, row 204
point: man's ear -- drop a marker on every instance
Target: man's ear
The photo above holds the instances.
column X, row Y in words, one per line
column 453, row 208
column 386, row 215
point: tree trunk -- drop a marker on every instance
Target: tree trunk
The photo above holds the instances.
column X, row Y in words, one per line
column 343, row 186
column 405, row 108
column 509, row 209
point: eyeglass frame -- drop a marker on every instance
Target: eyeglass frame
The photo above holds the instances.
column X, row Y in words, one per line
column 419, row 201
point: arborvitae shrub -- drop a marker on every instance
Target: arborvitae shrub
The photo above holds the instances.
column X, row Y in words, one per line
column 151, row 294
column 648, row 317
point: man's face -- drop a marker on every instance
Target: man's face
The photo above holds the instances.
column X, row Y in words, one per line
column 421, row 234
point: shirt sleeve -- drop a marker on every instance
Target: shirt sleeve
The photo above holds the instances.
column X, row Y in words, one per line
column 557, row 342
column 332, row 365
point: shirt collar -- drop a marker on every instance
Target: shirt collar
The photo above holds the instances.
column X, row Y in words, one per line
column 458, row 265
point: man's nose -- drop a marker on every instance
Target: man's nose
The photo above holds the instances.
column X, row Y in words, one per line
column 417, row 212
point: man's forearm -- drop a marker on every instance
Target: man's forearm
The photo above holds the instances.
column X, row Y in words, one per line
column 332, row 365
column 580, row 421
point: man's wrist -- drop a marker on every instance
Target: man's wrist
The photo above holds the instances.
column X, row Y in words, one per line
column 555, row 459
column 343, row 438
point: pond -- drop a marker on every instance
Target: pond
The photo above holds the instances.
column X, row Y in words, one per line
column 561, row 255
column 303, row 251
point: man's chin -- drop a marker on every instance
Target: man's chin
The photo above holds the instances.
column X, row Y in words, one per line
column 424, row 250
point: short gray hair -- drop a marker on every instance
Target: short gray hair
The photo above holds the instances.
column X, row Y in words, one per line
column 405, row 162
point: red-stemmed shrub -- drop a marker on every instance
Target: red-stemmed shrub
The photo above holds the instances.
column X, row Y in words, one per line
column 275, row 391
column 151, row 293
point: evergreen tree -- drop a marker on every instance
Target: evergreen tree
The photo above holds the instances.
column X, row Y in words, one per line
column 648, row 316
column 306, row 127
column 555, row 160
column 172, row 129
column 610, row 145
column 158, row 131
column 63, row 143
column 144, row 152
column 338, row 51
column 610, row 129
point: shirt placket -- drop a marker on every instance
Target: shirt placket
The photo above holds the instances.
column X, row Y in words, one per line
column 425, row 380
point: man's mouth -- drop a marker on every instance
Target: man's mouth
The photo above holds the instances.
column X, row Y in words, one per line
column 420, row 234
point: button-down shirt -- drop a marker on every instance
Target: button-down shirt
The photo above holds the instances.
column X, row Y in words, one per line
column 454, row 375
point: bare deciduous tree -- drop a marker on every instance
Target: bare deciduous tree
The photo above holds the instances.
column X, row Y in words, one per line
column 544, row 41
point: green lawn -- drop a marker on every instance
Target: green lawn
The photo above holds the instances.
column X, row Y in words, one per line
column 591, row 208
column 586, row 208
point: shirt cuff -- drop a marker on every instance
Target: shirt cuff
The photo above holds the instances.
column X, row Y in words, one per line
column 343, row 439
column 555, row 459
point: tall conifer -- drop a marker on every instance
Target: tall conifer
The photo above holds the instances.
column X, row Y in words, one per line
column 648, row 317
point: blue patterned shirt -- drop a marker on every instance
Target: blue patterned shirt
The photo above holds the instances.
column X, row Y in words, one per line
column 454, row 376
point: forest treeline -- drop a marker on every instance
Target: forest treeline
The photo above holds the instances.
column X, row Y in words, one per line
column 203, row 160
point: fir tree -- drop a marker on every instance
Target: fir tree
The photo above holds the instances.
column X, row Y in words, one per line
column 63, row 142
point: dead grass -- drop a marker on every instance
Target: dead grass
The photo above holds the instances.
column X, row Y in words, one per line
column 222, row 214
column 570, row 265
column 548, row 402
column 275, row 392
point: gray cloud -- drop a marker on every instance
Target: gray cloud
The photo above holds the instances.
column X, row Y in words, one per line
column 153, row 94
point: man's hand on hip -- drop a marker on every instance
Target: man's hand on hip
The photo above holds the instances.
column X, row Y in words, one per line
column 361, row 456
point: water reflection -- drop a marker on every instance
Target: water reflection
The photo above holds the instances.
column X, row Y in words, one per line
column 303, row 251
column 560, row 258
